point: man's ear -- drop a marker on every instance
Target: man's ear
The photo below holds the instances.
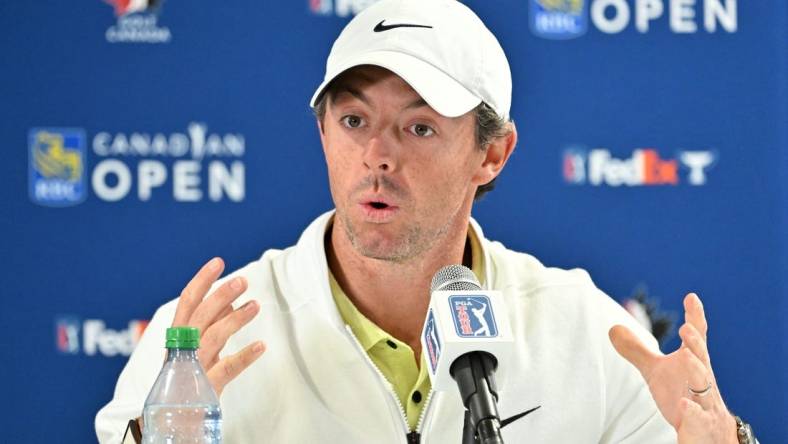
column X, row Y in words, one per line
column 496, row 156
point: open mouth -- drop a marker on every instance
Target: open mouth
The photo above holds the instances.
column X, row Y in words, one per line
column 378, row 211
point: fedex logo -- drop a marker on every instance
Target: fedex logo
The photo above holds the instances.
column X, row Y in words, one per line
column 645, row 167
column 96, row 337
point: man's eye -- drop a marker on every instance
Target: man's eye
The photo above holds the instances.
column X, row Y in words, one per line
column 352, row 121
column 421, row 130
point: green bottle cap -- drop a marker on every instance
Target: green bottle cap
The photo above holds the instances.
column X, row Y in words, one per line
column 183, row 337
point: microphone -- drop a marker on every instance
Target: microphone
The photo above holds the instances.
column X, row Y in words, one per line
column 465, row 339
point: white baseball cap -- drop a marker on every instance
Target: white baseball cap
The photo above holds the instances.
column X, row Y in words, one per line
column 439, row 47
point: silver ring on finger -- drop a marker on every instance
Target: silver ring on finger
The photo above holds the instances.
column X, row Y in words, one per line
column 699, row 393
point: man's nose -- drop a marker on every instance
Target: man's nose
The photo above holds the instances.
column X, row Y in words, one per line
column 380, row 153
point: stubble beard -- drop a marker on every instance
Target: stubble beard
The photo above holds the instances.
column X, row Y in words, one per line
column 412, row 243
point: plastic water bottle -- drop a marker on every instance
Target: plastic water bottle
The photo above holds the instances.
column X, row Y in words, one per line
column 182, row 406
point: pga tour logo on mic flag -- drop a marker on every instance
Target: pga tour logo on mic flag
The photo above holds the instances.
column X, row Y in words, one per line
column 432, row 341
column 473, row 316
column 460, row 322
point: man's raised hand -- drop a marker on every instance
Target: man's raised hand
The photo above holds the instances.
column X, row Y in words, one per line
column 217, row 321
column 682, row 383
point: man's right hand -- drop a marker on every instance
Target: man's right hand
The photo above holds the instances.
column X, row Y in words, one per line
column 217, row 321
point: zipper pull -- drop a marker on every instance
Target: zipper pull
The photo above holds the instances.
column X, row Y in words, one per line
column 413, row 438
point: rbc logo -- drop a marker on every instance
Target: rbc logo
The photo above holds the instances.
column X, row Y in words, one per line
column 473, row 316
column 57, row 166
column 559, row 19
column 338, row 8
column 67, row 335
column 433, row 341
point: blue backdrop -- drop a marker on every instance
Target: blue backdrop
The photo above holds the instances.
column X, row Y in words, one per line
column 141, row 142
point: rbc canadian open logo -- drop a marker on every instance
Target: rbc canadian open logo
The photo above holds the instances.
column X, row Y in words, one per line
column 558, row 19
column 57, row 166
column 137, row 22
column 473, row 316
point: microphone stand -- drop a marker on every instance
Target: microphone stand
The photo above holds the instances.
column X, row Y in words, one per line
column 474, row 373
column 468, row 431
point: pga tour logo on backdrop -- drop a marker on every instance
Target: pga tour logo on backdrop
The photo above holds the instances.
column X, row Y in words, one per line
column 96, row 337
column 193, row 164
column 567, row 19
column 644, row 167
column 137, row 22
column 473, row 316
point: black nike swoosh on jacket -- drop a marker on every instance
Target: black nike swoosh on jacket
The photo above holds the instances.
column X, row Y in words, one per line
column 380, row 27
column 514, row 418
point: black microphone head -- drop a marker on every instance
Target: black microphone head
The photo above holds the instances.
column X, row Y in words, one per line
column 455, row 278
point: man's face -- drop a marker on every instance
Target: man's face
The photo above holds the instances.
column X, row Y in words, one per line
column 401, row 174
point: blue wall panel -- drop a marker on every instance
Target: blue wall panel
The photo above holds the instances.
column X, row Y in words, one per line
column 242, row 73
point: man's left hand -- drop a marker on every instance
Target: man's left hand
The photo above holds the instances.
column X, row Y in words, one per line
column 679, row 381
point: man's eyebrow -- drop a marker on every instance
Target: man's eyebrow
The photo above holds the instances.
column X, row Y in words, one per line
column 352, row 91
column 343, row 88
column 417, row 103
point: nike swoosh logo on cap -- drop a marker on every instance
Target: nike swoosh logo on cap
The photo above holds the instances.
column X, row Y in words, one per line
column 380, row 27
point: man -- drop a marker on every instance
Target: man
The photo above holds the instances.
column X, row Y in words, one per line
column 413, row 117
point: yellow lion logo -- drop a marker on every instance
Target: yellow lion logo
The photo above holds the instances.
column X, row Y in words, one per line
column 571, row 6
column 52, row 159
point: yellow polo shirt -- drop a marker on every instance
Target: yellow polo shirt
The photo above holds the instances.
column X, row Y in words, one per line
column 394, row 358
